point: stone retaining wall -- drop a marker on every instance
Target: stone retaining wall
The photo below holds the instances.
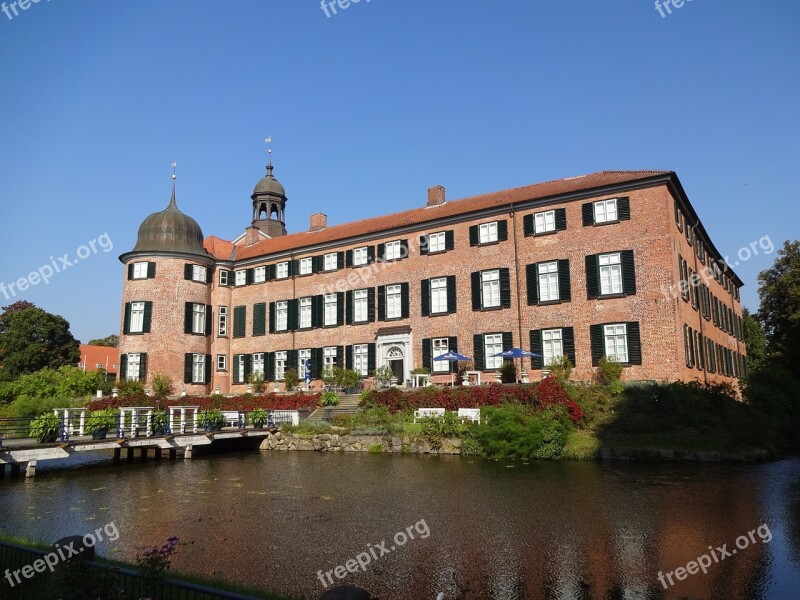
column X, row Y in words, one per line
column 331, row 442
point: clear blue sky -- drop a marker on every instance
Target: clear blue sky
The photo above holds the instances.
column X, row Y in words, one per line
column 370, row 107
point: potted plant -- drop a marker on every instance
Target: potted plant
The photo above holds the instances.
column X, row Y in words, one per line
column 45, row 428
column 100, row 421
column 290, row 379
column 259, row 418
column 329, row 399
column 159, row 422
column 212, row 420
column 384, row 376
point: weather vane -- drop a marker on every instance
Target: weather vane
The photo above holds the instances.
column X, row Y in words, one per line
column 269, row 150
column 174, row 167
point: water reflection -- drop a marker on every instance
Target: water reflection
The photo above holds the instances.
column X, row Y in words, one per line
column 499, row 531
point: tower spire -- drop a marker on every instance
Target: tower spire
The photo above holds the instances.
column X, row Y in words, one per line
column 172, row 203
column 268, row 141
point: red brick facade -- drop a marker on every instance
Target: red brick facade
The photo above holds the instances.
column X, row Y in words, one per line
column 646, row 288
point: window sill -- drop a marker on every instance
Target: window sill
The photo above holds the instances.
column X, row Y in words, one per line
column 490, row 308
column 543, row 233
column 552, row 302
column 136, row 333
column 616, row 221
column 440, row 314
column 435, row 252
column 481, row 244
column 610, row 296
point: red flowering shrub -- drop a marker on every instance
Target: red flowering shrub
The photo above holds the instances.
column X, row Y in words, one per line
column 452, row 398
column 553, row 394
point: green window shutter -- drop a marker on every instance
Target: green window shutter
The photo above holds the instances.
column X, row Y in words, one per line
column 370, row 358
column 272, row 271
column 404, row 301
column 340, row 308
column 527, row 225
column 592, row 277
column 427, row 353
column 404, row 249
column 382, row 303
column 187, row 368
column 624, row 209
column 505, row 288
column 382, row 251
column 147, row 319
column 151, row 270
column 317, row 360
column 564, row 287
column 188, row 307
column 477, row 352
column 187, row 271
column 701, row 363
column 473, row 235
column 272, row 317
column 292, row 359
column 370, row 254
column 452, row 295
column 340, row 260
column 587, row 211
column 423, row 244
column 249, row 276
column 239, row 321
column 260, row 318
column 508, row 341
column 476, row 290
column 531, row 284
column 248, row 367
column 269, row 361
column 348, row 318
column 452, row 346
column 371, row 305
column 130, row 271
column 294, row 314
column 318, row 264
column 598, row 343
column 449, row 240
column 123, row 367
column 536, row 347
column 317, row 310
column 143, row 367
column 209, row 319
column 425, row 298
column 339, row 356
column 634, row 343
column 568, row 340
column 126, row 323
column 687, row 353
column 348, row 358
column 561, row 219
column 348, row 260
column 502, row 230
column 628, row 273
column 677, row 216
column 208, row 369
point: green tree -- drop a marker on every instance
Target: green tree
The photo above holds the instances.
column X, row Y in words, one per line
column 756, row 340
column 32, row 339
column 779, row 290
column 112, row 341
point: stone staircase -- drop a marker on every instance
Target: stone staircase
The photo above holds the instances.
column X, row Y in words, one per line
column 348, row 405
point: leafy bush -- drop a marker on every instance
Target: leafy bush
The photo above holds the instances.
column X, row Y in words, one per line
column 212, row 419
column 513, row 431
column 453, row 398
column 376, row 449
column 436, row 429
column 470, row 445
column 101, row 419
column 329, row 399
column 560, row 368
column 290, row 379
column 257, row 381
column 128, row 388
column 258, row 417
column 45, row 427
column 508, row 371
column 384, row 375
column 773, row 392
column 553, row 395
column 609, row 372
column 162, row 385
column 25, row 406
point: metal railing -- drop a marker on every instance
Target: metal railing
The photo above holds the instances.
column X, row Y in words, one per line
column 126, row 583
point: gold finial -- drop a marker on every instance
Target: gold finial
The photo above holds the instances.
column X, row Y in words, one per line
column 174, row 167
column 269, row 150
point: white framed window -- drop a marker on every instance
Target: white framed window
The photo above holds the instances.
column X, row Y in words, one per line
column 360, row 256
column 306, row 266
column 199, row 319
column 552, row 346
column 393, row 250
column 361, row 359
column 303, row 356
column 222, row 321
column 198, row 368
column 329, row 355
column 198, row 273
column 240, row 277
column 394, row 309
column 280, row 365
column 440, row 346
column 137, row 317
column 331, row 261
column 436, row 242
column 259, row 274
column 282, row 270
column 259, row 368
column 488, row 233
column 605, row 211
column 224, row 277
column 360, row 308
column 140, row 270
column 490, row 289
column 239, row 366
column 331, row 309
column 548, row 281
column 610, row 273
column 134, row 366
column 544, row 221
column 222, row 362
column 493, row 344
column 616, row 341
column 305, row 313
column 439, row 295
column 282, row 315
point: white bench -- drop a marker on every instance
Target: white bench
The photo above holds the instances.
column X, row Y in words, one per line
column 232, row 417
column 428, row 412
column 469, row 414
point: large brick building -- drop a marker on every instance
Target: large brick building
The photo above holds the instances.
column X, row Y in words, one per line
column 615, row 263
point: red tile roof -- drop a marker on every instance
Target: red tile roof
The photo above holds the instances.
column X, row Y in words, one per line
column 218, row 248
column 91, row 356
column 448, row 209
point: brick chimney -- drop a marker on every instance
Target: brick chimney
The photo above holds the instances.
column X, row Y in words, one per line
column 436, row 195
column 252, row 235
column 319, row 221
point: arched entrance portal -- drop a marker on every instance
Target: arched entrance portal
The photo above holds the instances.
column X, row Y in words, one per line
column 396, row 359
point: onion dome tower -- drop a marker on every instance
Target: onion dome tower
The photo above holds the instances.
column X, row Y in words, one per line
column 269, row 205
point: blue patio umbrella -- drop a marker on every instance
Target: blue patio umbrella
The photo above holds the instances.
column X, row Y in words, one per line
column 452, row 356
column 517, row 353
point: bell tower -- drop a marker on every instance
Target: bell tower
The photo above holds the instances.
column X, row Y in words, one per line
column 269, row 205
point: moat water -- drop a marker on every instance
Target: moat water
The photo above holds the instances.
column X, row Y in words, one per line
column 495, row 530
